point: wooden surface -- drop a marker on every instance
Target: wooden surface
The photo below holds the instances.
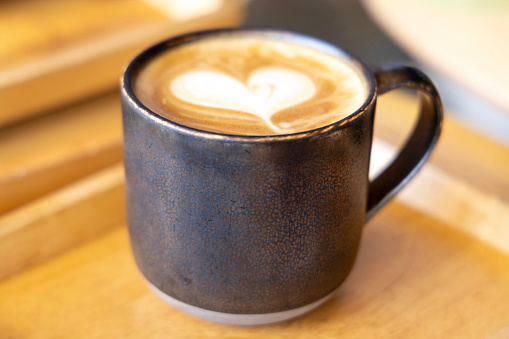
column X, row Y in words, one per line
column 468, row 156
column 62, row 219
column 421, row 273
column 51, row 151
column 414, row 278
column 465, row 185
column 433, row 264
column 55, row 52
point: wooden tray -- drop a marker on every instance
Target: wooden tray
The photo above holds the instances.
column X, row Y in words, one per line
column 414, row 278
column 434, row 263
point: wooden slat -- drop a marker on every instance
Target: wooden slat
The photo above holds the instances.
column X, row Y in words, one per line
column 53, row 53
column 61, row 220
column 49, row 152
column 465, row 155
column 466, row 183
column 41, row 28
column 414, row 278
column 456, row 203
column 418, row 275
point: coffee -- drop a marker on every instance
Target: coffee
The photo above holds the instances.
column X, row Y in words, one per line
column 250, row 85
column 251, row 231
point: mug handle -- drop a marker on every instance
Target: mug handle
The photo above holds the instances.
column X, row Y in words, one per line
column 419, row 145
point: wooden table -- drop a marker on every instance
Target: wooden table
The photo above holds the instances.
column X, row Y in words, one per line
column 414, row 278
column 422, row 271
column 433, row 264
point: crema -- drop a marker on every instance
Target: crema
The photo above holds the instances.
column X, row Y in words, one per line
column 250, row 85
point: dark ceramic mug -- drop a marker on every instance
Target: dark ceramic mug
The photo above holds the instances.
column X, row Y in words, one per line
column 254, row 229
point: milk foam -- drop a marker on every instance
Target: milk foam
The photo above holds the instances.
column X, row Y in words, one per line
column 267, row 91
column 250, row 85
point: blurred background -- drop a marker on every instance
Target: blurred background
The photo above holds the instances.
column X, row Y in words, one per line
column 342, row 22
column 461, row 45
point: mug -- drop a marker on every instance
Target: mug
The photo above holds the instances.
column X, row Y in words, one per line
column 253, row 230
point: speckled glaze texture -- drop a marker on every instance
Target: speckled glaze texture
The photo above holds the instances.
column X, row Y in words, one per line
column 250, row 225
column 245, row 227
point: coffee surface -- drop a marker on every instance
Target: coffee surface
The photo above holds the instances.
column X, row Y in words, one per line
column 249, row 86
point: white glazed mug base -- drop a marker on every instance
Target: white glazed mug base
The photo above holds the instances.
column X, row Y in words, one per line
column 240, row 319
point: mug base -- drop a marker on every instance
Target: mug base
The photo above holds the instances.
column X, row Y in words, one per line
column 240, row 319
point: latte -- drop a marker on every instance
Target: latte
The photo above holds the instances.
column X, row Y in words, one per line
column 249, row 85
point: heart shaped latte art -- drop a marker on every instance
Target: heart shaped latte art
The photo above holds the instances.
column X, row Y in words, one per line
column 267, row 91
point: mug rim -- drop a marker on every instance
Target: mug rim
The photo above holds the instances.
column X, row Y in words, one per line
column 314, row 43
